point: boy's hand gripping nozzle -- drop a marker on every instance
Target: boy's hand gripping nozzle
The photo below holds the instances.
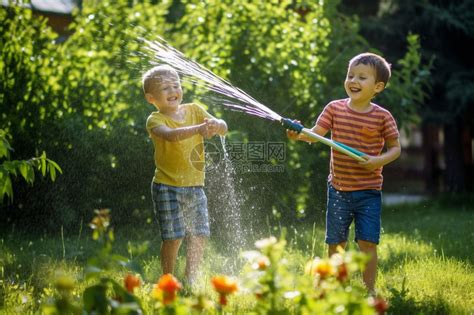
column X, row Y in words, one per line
column 291, row 125
column 299, row 128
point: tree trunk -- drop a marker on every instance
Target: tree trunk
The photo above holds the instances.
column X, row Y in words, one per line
column 431, row 152
column 455, row 176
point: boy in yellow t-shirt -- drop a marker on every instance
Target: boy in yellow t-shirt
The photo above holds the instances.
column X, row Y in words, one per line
column 180, row 204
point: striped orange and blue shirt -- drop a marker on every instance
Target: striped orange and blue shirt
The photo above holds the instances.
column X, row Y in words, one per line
column 366, row 132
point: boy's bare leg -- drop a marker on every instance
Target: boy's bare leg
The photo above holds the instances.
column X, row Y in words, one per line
column 333, row 248
column 194, row 252
column 169, row 253
column 370, row 271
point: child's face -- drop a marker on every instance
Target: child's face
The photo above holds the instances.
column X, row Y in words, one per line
column 166, row 94
column 360, row 83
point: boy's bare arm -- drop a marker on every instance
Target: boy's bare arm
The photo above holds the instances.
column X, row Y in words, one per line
column 392, row 153
column 178, row 134
column 209, row 128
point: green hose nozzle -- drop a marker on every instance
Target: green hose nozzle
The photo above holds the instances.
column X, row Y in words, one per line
column 291, row 125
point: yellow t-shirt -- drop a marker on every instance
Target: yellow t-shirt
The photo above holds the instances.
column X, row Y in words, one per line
column 179, row 163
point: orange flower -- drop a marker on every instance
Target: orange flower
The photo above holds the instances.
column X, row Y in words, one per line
column 131, row 282
column 260, row 263
column 169, row 283
column 321, row 267
column 166, row 288
column 224, row 286
column 263, row 263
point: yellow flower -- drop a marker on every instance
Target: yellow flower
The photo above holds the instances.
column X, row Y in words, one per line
column 321, row 267
column 102, row 219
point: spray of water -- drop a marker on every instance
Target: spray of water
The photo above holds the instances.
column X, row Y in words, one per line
column 198, row 74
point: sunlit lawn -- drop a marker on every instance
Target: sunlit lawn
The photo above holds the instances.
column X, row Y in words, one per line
column 425, row 260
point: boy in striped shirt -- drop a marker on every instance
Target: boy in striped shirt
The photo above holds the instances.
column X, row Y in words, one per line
column 354, row 188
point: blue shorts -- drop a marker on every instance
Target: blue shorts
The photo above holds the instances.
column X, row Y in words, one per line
column 180, row 211
column 363, row 206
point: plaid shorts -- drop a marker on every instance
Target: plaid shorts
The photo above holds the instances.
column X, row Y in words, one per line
column 180, row 211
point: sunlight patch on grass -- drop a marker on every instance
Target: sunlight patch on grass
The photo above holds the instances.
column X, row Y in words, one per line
column 446, row 281
column 397, row 247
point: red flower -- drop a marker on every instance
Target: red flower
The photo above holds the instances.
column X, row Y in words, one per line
column 131, row 282
column 342, row 272
column 224, row 286
column 380, row 305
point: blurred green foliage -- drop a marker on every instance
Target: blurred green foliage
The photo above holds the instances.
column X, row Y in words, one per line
column 81, row 100
column 25, row 168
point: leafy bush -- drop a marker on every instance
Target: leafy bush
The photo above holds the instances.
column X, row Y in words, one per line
column 82, row 103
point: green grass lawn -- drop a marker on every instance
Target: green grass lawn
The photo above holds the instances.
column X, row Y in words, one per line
column 425, row 260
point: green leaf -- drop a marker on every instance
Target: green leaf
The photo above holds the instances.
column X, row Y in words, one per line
column 95, row 299
column 49, row 309
column 92, row 272
column 130, row 308
column 43, row 164
column 31, row 173
column 95, row 235
column 24, row 170
column 52, row 173
column 5, row 185
column 4, row 148
column 55, row 165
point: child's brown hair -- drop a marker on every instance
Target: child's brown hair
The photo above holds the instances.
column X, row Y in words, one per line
column 156, row 74
column 381, row 66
